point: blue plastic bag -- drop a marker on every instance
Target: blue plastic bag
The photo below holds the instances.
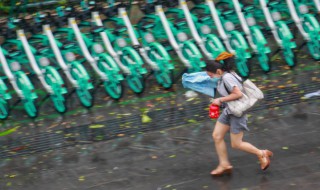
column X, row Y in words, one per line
column 200, row 82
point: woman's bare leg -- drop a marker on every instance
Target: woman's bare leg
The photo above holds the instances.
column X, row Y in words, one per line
column 218, row 136
column 263, row 155
column 237, row 143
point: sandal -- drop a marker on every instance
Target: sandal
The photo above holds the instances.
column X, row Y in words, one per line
column 220, row 170
column 264, row 159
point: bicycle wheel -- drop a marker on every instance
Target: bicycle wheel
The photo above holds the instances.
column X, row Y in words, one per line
column 264, row 62
column 113, row 86
column 164, row 78
column 136, row 83
column 4, row 108
column 289, row 57
column 27, row 89
column 85, row 97
column 314, row 49
column 52, row 78
column 83, row 91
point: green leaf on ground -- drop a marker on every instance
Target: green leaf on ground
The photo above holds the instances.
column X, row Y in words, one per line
column 192, row 121
column 146, row 119
column 96, row 126
column 9, row 131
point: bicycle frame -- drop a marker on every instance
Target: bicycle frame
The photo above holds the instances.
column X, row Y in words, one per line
column 254, row 35
column 124, row 54
column 102, row 63
column 48, row 76
column 307, row 25
column 280, row 31
column 194, row 61
column 233, row 40
column 74, row 71
column 20, row 83
column 154, row 53
column 206, row 40
column 4, row 97
column 317, row 5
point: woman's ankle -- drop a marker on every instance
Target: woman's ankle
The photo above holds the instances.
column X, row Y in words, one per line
column 225, row 164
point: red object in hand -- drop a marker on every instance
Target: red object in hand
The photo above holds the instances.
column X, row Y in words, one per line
column 214, row 111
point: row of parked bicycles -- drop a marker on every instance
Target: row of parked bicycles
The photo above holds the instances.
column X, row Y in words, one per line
column 92, row 41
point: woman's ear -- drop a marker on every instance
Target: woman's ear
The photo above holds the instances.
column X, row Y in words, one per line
column 219, row 72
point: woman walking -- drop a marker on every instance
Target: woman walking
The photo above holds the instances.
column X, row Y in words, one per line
column 230, row 87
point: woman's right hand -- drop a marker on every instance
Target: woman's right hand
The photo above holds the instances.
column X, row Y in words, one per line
column 216, row 102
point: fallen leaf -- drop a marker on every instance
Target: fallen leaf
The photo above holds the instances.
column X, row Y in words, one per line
column 192, row 121
column 81, row 178
column 7, row 132
column 146, row 119
column 96, row 126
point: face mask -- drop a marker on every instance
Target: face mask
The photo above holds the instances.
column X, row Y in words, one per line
column 215, row 79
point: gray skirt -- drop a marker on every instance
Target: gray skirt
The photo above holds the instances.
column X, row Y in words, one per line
column 237, row 124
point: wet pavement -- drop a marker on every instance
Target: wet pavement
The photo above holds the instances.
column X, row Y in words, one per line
column 180, row 157
column 162, row 140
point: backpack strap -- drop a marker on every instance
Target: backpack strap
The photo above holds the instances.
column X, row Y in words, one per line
column 241, row 81
column 224, row 84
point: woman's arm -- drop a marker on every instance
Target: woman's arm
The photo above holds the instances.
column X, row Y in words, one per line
column 234, row 95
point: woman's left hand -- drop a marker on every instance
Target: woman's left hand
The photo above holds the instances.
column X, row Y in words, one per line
column 216, row 102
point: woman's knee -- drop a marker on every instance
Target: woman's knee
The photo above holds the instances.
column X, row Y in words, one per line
column 236, row 144
column 217, row 137
column 236, row 140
